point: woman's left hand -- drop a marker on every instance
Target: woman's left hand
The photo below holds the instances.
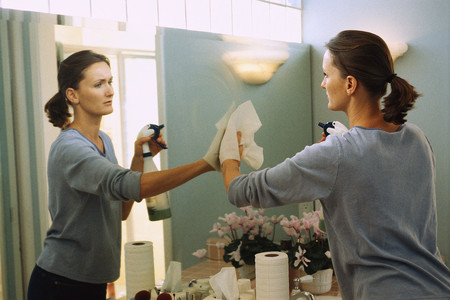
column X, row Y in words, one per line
column 155, row 148
column 138, row 151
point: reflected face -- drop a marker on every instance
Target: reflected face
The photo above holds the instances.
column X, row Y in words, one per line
column 95, row 92
column 334, row 83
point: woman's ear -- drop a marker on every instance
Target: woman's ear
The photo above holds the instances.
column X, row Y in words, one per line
column 351, row 85
column 71, row 95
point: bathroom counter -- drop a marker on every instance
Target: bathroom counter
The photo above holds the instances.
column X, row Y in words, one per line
column 210, row 267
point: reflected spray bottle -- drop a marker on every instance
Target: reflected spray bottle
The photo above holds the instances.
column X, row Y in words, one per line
column 158, row 206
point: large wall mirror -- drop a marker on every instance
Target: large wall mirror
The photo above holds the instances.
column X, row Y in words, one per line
column 177, row 78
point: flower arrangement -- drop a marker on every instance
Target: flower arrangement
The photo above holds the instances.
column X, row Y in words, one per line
column 310, row 248
column 254, row 233
column 246, row 235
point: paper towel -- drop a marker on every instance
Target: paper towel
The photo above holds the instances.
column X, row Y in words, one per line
column 139, row 267
column 224, row 284
column 172, row 283
column 246, row 120
column 272, row 276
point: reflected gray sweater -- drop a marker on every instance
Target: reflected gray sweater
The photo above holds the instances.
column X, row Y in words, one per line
column 86, row 189
column 378, row 196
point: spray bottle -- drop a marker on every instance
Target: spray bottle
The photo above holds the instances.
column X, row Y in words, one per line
column 158, row 207
column 333, row 127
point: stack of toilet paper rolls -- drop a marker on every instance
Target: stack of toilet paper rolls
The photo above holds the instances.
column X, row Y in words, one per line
column 272, row 275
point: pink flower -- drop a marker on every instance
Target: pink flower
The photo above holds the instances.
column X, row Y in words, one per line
column 296, row 224
column 275, row 220
column 267, row 229
column 216, row 227
column 245, row 209
column 221, row 231
column 260, row 220
column 285, row 223
column 200, row 253
column 254, row 230
column 311, row 219
column 290, row 231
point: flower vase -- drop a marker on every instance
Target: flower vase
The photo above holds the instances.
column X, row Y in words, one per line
column 247, row 271
column 321, row 283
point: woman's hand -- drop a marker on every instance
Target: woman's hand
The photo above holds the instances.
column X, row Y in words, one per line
column 138, row 151
column 155, row 148
column 323, row 138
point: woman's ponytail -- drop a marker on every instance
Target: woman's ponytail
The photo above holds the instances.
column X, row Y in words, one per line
column 57, row 110
column 70, row 73
column 399, row 101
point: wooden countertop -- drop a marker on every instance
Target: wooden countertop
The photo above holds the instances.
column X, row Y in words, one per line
column 210, row 267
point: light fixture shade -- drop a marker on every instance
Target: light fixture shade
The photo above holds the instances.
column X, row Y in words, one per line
column 397, row 49
column 258, row 60
column 255, row 66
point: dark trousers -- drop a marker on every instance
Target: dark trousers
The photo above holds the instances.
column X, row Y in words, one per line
column 48, row 286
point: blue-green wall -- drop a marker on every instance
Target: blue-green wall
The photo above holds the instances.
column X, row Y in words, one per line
column 198, row 88
column 424, row 26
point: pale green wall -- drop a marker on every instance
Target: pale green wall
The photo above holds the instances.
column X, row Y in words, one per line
column 424, row 26
column 198, row 88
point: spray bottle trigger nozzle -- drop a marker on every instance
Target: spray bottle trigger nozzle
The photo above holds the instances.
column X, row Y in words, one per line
column 157, row 130
column 325, row 127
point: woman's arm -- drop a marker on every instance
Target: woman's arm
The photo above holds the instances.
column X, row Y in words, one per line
column 230, row 167
column 155, row 183
column 230, row 170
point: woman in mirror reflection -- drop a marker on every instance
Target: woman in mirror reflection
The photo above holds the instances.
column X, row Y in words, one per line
column 89, row 193
column 376, row 182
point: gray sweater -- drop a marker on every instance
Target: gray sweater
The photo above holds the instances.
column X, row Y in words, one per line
column 378, row 196
column 86, row 189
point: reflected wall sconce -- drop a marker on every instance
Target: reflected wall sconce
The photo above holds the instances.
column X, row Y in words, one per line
column 259, row 59
column 397, row 49
column 255, row 66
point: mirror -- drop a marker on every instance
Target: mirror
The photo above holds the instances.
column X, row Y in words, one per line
column 198, row 89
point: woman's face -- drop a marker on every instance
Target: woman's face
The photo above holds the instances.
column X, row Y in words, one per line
column 335, row 84
column 95, row 92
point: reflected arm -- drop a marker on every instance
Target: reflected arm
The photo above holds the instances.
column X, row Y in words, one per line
column 155, row 183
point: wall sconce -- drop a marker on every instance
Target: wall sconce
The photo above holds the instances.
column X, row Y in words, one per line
column 397, row 49
column 255, row 66
column 259, row 61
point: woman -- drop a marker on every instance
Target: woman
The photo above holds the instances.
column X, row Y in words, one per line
column 89, row 194
column 375, row 181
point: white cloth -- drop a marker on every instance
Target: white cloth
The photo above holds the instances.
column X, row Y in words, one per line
column 224, row 284
column 246, row 120
column 172, row 283
column 212, row 156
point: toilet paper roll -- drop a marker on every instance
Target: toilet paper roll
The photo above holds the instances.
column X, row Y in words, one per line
column 139, row 267
column 272, row 275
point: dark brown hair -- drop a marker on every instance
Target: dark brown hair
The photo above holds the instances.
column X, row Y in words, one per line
column 70, row 73
column 366, row 56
